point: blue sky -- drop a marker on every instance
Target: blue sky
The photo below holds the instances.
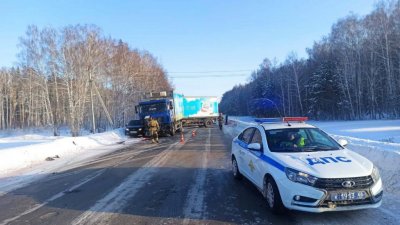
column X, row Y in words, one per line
column 190, row 36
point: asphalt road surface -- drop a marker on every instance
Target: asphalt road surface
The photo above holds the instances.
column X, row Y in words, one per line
column 166, row 183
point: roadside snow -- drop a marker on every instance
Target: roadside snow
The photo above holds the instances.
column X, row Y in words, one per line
column 23, row 140
column 377, row 140
column 19, row 137
column 377, row 130
column 23, row 157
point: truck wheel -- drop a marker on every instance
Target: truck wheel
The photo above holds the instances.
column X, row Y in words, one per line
column 272, row 195
column 208, row 123
column 172, row 131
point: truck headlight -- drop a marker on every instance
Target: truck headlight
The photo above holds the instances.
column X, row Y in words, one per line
column 375, row 174
column 127, row 129
column 140, row 129
column 300, row 177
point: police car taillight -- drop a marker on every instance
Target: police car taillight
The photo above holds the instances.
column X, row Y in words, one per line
column 295, row 119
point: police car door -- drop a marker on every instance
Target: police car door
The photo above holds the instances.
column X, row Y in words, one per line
column 253, row 160
column 241, row 145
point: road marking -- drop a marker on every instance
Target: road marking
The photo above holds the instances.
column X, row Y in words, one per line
column 130, row 157
column 54, row 197
column 159, row 157
column 12, row 184
column 84, row 181
column 107, row 158
column 194, row 205
column 116, row 200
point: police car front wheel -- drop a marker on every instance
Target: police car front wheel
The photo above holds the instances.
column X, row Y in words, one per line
column 272, row 195
column 235, row 169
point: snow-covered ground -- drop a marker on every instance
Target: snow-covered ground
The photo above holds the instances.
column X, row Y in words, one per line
column 377, row 140
column 23, row 137
column 23, row 156
column 377, row 130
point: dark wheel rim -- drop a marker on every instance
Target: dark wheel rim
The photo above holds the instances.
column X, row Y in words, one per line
column 270, row 195
column 234, row 168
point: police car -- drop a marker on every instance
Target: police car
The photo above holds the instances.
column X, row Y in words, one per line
column 297, row 166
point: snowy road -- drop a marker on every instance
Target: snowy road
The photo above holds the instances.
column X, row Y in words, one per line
column 170, row 183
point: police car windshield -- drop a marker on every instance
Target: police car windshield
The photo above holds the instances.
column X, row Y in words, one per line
column 300, row 140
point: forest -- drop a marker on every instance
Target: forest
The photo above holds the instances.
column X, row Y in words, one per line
column 61, row 72
column 352, row 73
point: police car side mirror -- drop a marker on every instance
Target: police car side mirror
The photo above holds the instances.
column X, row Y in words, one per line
column 254, row 147
column 342, row 142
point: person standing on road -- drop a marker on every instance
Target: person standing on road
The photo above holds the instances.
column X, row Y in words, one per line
column 220, row 121
column 154, row 128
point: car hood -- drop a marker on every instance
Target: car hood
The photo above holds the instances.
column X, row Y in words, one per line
column 327, row 164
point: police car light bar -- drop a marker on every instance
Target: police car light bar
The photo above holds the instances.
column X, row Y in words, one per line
column 268, row 120
column 295, row 119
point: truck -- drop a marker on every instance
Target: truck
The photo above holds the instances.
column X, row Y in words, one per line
column 174, row 110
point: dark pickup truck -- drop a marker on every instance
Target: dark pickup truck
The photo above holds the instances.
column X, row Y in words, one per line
column 134, row 128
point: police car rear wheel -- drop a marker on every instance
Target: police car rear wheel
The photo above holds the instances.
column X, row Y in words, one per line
column 271, row 194
column 235, row 170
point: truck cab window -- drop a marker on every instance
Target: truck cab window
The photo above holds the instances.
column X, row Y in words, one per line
column 158, row 107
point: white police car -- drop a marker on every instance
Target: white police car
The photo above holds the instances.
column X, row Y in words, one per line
column 298, row 166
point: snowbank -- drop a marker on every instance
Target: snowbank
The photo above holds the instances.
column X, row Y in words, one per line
column 385, row 155
column 28, row 151
column 23, row 157
column 377, row 130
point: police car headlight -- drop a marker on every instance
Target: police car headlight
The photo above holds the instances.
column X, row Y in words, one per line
column 375, row 174
column 300, row 177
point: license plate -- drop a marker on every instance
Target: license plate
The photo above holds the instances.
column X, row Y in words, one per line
column 349, row 195
column 133, row 132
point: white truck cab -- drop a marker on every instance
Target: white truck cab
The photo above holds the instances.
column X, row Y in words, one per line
column 297, row 166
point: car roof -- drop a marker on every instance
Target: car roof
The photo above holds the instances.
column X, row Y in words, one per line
column 273, row 126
